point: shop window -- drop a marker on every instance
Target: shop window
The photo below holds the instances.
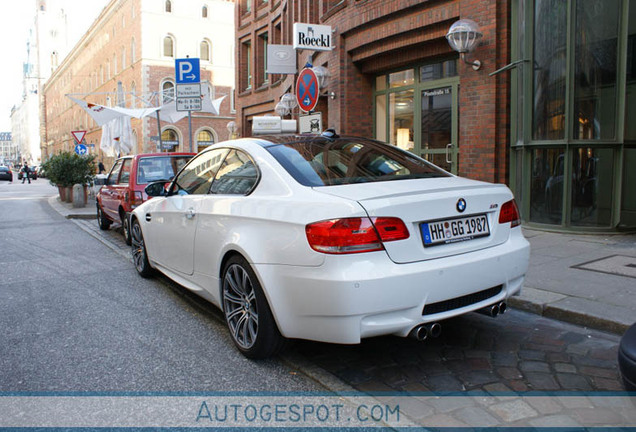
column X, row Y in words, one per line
column 592, row 187
column 402, row 78
column 550, row 54
column 595, row 68
column 546, row 188
column 630, row 101
column 204, row 139
column 170, row 137
column 401, row 119
column 435, row 71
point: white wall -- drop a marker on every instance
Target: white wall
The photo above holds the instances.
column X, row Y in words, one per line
column 188, row 28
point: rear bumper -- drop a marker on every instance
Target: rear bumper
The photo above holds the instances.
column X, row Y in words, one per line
column 348, row 298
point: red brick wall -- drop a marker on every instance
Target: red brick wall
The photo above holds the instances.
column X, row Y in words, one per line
column 377, row 36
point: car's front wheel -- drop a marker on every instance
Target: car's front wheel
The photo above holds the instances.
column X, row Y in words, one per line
column 247, row 313
column 139, row 252
column 102, row 220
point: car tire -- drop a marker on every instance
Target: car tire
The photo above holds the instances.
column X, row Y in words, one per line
column 139, row 251
column 102, row 220
column 125, row 224
column 247, row 313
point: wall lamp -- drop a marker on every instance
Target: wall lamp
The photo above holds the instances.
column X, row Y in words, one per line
column 286, row 105
column 232, row 128
column 463, row 36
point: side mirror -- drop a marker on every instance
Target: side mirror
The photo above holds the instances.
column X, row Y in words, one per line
column 156, row 189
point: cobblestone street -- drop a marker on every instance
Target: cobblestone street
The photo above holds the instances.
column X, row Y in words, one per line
column 516, row 351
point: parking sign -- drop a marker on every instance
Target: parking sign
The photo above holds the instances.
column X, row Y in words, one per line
column 187, row 70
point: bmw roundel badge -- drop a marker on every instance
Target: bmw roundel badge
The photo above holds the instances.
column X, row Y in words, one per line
column 461, row 205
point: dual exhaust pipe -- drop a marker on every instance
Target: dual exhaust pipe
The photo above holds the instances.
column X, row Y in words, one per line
column 424, row 331
column 493, row 310
column 433, row 330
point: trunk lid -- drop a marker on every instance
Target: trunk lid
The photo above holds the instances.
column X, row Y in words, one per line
column 421, row 201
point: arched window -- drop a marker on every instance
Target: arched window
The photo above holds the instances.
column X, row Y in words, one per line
column 204, row 11
column 167, row 90
column 133, row 51
column 169, row 135
column 114, row 65
column 204, row 50
column 205, row 137
column 168, row 46
column 168, row 6
column 123, row 58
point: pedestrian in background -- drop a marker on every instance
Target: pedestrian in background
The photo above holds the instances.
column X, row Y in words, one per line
column 101, row 167
column 25, row 176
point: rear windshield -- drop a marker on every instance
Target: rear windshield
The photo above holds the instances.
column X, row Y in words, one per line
column 341, row 161
column 156, row 168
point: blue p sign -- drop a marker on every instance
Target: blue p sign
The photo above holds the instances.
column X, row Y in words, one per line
column 187, row 70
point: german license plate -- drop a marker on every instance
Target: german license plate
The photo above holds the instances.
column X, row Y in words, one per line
column 454, row 230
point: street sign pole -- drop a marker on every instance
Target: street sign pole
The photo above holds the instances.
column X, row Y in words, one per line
column 188, row 91
column 190, row 128
column 159, row 130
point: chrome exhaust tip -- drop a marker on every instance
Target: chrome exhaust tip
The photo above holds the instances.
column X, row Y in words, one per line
column 434, row 329
column 502, row 307
column 419, row 333
column 491, row 311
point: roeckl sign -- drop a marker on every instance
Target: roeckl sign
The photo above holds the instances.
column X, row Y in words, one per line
column 312, row 37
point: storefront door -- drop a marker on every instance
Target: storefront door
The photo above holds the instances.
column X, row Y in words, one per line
column 439, row 126
column 416, row 109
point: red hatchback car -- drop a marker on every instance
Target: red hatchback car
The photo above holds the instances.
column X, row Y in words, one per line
column 125, row 184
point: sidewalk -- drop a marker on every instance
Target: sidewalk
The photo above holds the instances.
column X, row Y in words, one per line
column 589, row 280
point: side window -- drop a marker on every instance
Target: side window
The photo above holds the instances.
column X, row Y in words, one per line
column 124, row 178
column 198, row 175
column 237, row 176
column 114, row 173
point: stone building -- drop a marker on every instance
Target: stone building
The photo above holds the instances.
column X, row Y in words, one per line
column 127, row 58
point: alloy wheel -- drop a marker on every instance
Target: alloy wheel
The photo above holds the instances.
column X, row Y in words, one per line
column 138, row 249
column 239, row 302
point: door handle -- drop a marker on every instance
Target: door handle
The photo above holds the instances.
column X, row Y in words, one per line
column 190, row 213
column 448, row 153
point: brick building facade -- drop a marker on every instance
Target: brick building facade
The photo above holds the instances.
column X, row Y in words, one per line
column 127, row 57
column 393, row 75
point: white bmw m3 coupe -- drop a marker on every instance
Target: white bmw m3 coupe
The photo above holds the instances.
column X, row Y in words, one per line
column 331, row 239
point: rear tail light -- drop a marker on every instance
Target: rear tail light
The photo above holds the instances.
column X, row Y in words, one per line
column 510, row 213
column 354, row 235
column 137, row 199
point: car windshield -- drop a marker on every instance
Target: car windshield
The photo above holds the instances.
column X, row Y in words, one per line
column 341, row 161
column 156, row 168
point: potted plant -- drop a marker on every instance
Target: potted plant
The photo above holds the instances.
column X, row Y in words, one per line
column 67, row 169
